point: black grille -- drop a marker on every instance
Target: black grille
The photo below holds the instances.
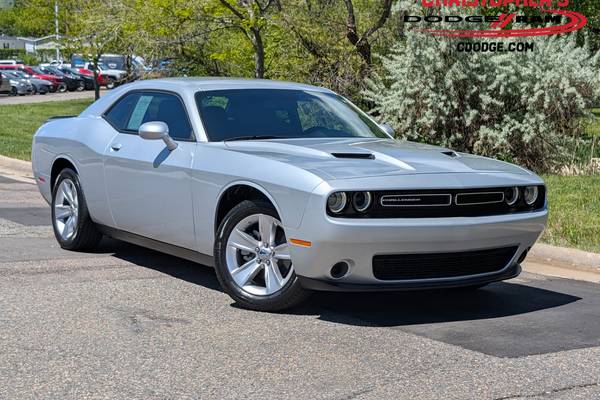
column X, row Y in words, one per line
column 442, row 203
column 441, row 265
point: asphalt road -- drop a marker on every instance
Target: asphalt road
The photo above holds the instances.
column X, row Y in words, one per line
column 130, row 323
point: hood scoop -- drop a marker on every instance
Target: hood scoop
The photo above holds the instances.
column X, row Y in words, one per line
column 354, row 156
column 450, row 153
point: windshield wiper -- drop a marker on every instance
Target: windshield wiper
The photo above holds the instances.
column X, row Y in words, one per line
column 253, row 137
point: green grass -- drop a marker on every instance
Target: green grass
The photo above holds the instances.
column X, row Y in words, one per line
column 19, row 122
column 574, row 205
column 593, row 128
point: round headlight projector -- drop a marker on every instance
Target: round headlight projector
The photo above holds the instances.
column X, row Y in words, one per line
column 530, row 195
column 361, row 201
column 511, row 196
column 337, row 202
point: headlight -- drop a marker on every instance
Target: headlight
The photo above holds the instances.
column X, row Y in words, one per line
column 530, row 195
column 511, row 195
column 361, row 201
column 337, row 202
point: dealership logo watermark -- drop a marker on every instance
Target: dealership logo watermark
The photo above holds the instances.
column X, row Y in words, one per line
column 553, row 20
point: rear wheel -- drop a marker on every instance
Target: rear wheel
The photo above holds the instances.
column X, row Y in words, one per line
column 253, row 261
column 81, row 86
column 13, row 91
column 110, row 84
column 62, row 88
column 73, row 227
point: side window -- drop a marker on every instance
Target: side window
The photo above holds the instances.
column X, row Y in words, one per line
column 118, row 115
column 141, row 107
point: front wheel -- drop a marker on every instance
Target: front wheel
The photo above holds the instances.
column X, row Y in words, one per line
column 62, row 88
column 73, row 227
column 252, row 259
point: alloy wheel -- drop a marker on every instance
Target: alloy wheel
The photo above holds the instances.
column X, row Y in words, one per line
column 66, row 209
column 257, row 255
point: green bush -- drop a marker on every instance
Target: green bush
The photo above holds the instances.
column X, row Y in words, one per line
column 529, row 108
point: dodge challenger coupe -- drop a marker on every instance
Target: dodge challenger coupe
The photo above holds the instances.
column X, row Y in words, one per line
column 284, row 188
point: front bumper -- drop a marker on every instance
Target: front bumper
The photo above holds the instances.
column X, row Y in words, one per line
column 357, row 241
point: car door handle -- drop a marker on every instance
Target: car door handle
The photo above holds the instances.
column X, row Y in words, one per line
column 116, row 146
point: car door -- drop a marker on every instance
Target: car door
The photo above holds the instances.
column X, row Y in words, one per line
column 149, row 186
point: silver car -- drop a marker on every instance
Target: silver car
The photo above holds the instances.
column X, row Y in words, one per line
column 284, row 188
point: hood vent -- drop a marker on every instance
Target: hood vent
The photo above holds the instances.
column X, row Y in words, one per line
column 362, row 156
column 450, row 153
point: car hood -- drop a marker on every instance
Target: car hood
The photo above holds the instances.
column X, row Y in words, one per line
column 368, row 157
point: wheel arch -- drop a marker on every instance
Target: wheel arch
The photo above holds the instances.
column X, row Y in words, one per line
column 236, row 192
column 58, row 165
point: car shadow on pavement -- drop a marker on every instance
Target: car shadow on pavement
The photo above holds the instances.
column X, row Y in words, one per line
column 176, row 267
column 435, row 306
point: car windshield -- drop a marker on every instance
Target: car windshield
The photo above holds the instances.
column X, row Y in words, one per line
column 238, row 114
column 38, row 70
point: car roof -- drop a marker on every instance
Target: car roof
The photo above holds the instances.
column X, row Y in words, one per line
column 217, row 83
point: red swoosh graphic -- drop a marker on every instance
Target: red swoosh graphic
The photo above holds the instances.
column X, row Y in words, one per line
column 576, row 22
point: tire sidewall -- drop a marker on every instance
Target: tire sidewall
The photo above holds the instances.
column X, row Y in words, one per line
column 68, row 173
column 238, row 213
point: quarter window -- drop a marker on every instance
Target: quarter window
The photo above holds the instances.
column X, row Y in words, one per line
column 137, row 108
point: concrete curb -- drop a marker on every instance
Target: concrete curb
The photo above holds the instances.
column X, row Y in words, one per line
column 560, row 257
column 16, row 167
column 566, row 258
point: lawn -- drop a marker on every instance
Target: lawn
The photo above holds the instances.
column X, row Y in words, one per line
column 574, row 200
column 574, row 203
column 19, row 123
column 593, row 129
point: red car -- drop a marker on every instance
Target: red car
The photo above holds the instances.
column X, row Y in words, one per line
column 57, row 81
column 103, row 80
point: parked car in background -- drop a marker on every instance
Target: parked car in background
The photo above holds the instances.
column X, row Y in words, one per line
column 5, row 87
column 18, row 86
column 87, row 79
column 72, row 81
column 22, row 79
column 40, row 86
column 114, row 77
column 11, row 62
column 57, row 82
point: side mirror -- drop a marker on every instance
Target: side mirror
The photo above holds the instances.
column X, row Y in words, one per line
column 387, row 129
column 155, row 130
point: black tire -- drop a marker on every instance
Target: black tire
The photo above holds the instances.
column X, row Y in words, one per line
column 13, row 91
column 62, row 88
column 86, row 236
column 290, row 295
column 110, row 84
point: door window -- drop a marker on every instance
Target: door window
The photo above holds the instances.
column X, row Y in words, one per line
column 137, row 108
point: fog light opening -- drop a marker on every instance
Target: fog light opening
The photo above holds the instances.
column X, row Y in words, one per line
column 339, row 270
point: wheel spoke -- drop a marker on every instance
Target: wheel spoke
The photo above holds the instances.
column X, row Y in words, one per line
column 266, row 228
column 67, row 193
column 273, row 278
column 282, row 252
column 244, row 274
column 61, row 211
column 242, row 241
column 69, row 227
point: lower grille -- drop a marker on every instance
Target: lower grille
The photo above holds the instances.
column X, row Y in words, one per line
column 441, row 265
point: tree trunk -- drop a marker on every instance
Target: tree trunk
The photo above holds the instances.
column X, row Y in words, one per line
column 96, row 85
column 259, row 53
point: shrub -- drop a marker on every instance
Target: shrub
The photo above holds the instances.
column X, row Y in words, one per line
column 523, row 107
